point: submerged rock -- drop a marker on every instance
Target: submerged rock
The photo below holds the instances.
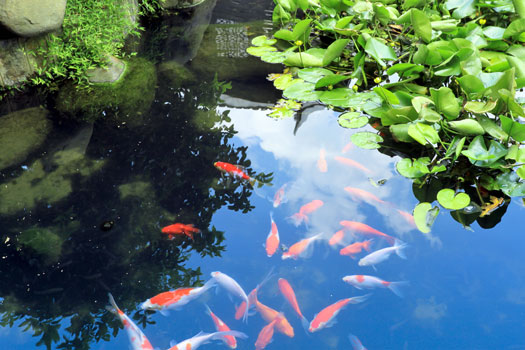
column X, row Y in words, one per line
column 21, row 133
column 43, row 242
column 32, row 17
column 109, row 74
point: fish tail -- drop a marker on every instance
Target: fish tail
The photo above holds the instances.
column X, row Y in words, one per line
column 390, row 239
column 400, row 245
column 240, row 310
column 297, row 218
column 114, row 308
column 220, row 335
column 305, row 323
column 396, row 287
column 359, row 299
column 209, row 284
column 366, row 244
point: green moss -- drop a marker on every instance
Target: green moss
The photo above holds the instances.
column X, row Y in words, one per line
column 130, row 96
column 43, row 242
column 139, row 189
column 21, row 133
column 175, row 75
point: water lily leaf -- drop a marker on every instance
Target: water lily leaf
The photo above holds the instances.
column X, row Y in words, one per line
column 274, row 56
column 330, row 80
column 446, row 102
column 510, row 184
column 419, row 102
column 423, row 133
column 516, row 27
column 302, row 92
column 303, row 59
column 505, row 80
column 312, row 75
column 398, row 115
column 449, row 67
column 495, row 33
column 386, row 95
column 521, row 172
column 366, row 140
column 421, row 25
column 479, row 155
column 263, row 40
column 400, row 132
column 339, row 97
column 258, row 51
column 471, row 65
column 409, row 68
column 512, row 105
column 302, row 29
column 284, row 81
column 514, row 129
column 447, row 198
column 352, row 120
column 447, row 25
column 429, row 115
column 284, row 34
column 415, row 169
column 288, row 5
column 518, row 64
column 480, row 107
column 334, row 50
column 463, row 8
column 467, row 127
column 279, row 14
column 471, row 85
column 379, row 51
column 424, row 216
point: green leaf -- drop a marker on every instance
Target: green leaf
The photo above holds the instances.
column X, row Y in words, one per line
column 386, row 95
column 423, row 133
column 514, row 129
column 334, row 50
column 450, row 201
column 352, row 120
column 463, row 8
column 446, row 102
column 284, row 34
column 480, row 107
column 303, row 59
column 258, row 51
column 332, row 79
column 516, row 27
column 301, row 28
column 424, row 216
column 415, row 169
column 263, row 40
column 419, row 102
column 479, row 155
column 510, row 184
column 429, row 115
column 379, row 51
column 492, row 128
column 511, row 103
column 313, row 75
column 471, row 85
column 301, row 92
column 274, row 56
column 521, row 172
column 421, row 25
column 366, row 140
column 400, row 132
column 495, row 33
column 284, row 81
column 467, row 127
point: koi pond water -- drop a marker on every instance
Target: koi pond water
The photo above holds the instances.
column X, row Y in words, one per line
column 85, row 204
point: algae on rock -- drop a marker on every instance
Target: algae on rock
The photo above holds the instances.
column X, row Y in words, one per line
column 42, row 241
column 21, row 133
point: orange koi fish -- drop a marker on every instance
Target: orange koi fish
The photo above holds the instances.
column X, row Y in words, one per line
column 288, row 293
column 355, row 248
column 321, row 162
column 360, row 194
column 371, row 282
column 137, row 338
column 279, row 196
column 235, row 171
column 272, row 241
column 305, row 210
column 352, row 163
column 337, row 237
column 326, row 318
column 407, row 216
column 356, row 344
column 366, row 230
column 347, row 147
column 180, row 229
column 269, row 314
column 265, row 336
column 203, row 338
column 220, row 326
column 174, row 299
column 299, row 249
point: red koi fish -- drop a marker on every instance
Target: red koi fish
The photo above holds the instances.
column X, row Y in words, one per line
column 180, row 229
column 371, row 282
column 360, row 194
column 174, row 299
column 137, row 338
column 355, row 248
column 269, row 314
column 356, row 344
column 300, row 249
column 279, row 196
column 366, row 230
column 321, row 162
column 265, row 336
column 272, row 241
column 305, row 210
column 326, row 318
column 220, row 326
column 352, row 163
column 337, row 237
column 288, row 293
column 235, row 171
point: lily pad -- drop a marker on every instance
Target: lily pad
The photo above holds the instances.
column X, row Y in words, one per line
column 413, row 169
column 447, row 198
column 352, row 120
column 424, row 216
column 366, row 140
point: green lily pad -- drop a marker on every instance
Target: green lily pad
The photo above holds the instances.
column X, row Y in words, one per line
column 366, row 140
column 447, row 198
column 352, row 120
column 423, row 133
column 467, row 127
column 379, row 51
column 413, row 169
column 262, row 40
column 258, row 51
column 302, row 92
column 424, row 216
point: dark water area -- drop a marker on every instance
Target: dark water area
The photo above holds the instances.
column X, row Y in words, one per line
column 82, row 208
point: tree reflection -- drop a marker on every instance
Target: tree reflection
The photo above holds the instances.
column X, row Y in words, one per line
column 59, row 265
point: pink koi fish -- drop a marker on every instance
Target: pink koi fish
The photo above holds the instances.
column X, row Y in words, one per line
column 175, row 299
column 220, row 326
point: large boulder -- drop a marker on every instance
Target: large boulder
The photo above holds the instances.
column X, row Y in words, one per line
column 32, row 17
column 15, row 64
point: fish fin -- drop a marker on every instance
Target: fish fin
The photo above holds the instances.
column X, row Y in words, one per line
column 374, row 267
column 395, row 287
column 297, row 218
column 359, row 299
column 399, row 245
column 173, row 343
column 164, row 312
column 113, row 304
column 236, row 334
column 306, row 324
column 209, row 284
column 356, row 344
column 366, row 244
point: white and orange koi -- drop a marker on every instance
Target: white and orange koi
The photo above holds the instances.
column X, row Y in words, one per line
column 232, row 287
column 365, row 229
column 300, row 249
column 305, row 210
column 272, row 241
column 279, row 197
column 203, row 338
column 352, row 163
column 381, row 255
column 175, row 299
column 289, row 294
column 321, row 162
column 355, row 248
column 220, row 326
column 371, row 282
column 360, row 194
column 356, row 343
column 136, row 337
column 326, row 317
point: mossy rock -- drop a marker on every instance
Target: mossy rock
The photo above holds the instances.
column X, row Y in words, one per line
column 128, row 98
column 21, row 133
column 43, row 242
column 175, row 75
